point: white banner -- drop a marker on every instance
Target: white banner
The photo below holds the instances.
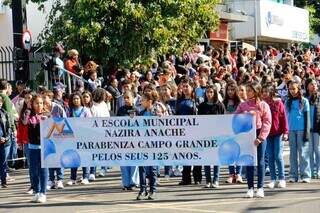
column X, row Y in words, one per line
column 125, row 141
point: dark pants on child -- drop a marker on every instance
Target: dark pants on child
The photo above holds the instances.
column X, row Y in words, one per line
column 151, row 172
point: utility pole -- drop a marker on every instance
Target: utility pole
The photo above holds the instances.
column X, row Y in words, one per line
column 21, row 56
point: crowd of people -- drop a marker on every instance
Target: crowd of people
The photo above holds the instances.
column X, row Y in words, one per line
column 279, row 87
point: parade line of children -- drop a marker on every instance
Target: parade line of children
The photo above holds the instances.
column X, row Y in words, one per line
column 278, row 87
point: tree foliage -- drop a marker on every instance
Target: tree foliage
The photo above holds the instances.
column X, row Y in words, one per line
column 125, row 32
column 313, row 6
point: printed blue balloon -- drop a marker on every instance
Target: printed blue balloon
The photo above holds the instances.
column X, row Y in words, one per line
column 70, row 159
column 241, row 123
column 245, row 160
column 49, row 147
column 229, row 152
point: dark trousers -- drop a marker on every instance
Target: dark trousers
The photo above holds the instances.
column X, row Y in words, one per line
column 186, row 174
column 261, row 150
column 151, row 172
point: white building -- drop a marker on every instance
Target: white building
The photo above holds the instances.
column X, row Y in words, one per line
column 36, row 21
column 276, row 22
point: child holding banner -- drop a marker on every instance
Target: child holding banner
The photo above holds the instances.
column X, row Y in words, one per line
column 211, row 106
column 78, row 110
column 55, row 111
column 39, row 176
column 151, row 108
column 261, row 111
column 187, row 106
column 129, row 179
column 231, row 102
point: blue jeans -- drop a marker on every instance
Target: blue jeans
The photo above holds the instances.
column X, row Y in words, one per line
column 151, row 172
column 13, row 150
column 275, row 156
column 93, row 171
column 4, row 151
column 216, row 174
column 314, row 154
column 127, row 176
column 39, row 175
column 27, row 154
column 235, row 170
column 85, row 173
column 59, row 172
column 261, row 150
column 300, row 149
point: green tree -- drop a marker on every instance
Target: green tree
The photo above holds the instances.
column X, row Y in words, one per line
column 125, row 32
column 313, row 6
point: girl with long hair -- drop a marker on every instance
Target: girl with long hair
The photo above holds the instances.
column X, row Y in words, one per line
column 261, row 111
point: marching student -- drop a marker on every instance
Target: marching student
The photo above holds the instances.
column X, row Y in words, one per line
column 211, row 106
column 129, row 179
column 231, row 102
column 99, row 109
column 79, row 111
column 279, row 127
column 187, row 106
column 39, row 176
column 55, row 111
column 261, row 111
column 298, row 109
column 314, row 98
column 151, row 108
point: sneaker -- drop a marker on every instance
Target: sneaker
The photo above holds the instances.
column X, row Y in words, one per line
column 208, row 185
column 35, row 198
column 230, row 179
column 239, row 179
column 271, row 184
column 306, row 180
column 292, row 180
column 85, row 181
column 152, row 196
column 215, row 184
column 92, row 177
column 42, row 198
column 49, row 185
column 142, row 195
column 282, row 184
column 30, row 191
column 267, row 171
column 71, row 182
column 102, row 173
column 260, row 193
column 249, row 193
column 177, row 173
column 167, row 177
column 60, row 184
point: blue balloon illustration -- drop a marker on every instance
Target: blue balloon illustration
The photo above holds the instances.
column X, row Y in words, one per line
column 241, row 123
column 70, row 159
column 58, row 119
column 49, row 147
column 229, row 152
column 245, row 160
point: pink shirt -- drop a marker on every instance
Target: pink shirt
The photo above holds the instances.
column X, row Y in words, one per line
column 262, row 114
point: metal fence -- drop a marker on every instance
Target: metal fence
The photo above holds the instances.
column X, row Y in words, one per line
column 7, row 63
